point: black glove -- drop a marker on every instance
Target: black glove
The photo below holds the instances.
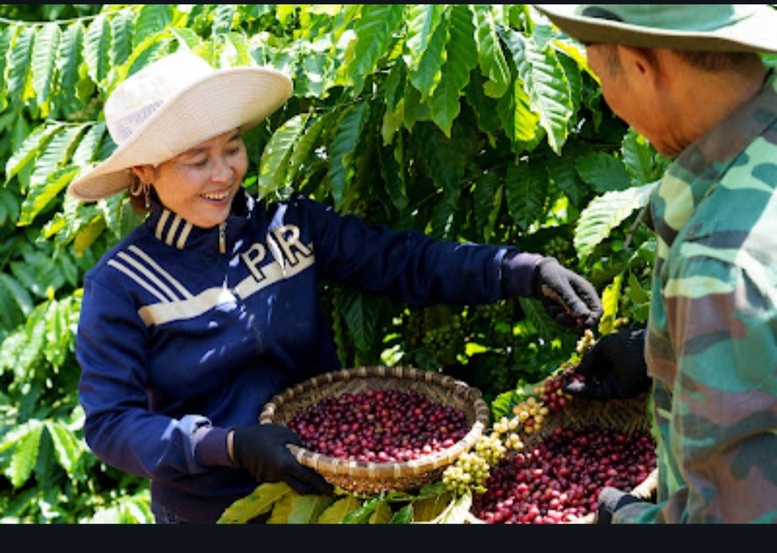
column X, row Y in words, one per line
column 610, row 500
column 569, row 299
column 262, row 450
column 614, row 368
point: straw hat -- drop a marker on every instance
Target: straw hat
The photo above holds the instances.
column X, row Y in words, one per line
column 172, row 105
column 701, row 27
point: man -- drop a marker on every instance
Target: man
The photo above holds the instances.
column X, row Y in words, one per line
column 691, row 80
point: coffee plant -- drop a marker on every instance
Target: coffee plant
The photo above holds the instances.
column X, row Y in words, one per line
column 468, row 122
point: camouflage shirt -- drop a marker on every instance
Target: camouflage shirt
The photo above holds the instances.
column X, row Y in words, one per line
column 712, row 337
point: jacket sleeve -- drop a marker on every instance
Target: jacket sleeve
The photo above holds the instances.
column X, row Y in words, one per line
column 717, row 426
column 410, row 266
column 111, row 345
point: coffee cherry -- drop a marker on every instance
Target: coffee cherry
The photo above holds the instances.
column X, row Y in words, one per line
column 559, row 479
column 379, row 426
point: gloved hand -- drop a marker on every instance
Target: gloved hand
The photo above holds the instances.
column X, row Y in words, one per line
column 569, row 299
column 262, row 450
column 610, row 500
column 613, row 369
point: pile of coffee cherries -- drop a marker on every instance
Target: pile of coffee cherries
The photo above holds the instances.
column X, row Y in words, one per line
column 379, row 426
column 560, row 478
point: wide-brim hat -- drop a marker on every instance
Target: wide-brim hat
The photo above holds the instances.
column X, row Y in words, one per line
column 170, row 106
column 698, row 27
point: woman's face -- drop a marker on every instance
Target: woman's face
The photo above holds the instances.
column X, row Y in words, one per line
column 200, row 184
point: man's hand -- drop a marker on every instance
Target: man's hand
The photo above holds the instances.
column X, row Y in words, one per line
column 262, row 450
column 614, row 368
column 610, row 500
column 568, row 298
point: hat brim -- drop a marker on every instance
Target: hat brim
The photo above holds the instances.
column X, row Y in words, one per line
column 239, row 97
column 755, row 33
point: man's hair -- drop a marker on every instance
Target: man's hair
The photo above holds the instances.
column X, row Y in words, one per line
column 716, row 61
column 711, row 62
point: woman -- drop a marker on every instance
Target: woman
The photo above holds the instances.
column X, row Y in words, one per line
column 210, row 308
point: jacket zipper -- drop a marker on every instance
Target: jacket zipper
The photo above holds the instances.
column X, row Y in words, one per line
column 223, row 238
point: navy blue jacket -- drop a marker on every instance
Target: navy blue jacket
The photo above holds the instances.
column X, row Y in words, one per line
column 187, row 332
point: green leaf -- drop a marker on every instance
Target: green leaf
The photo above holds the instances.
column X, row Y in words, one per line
column 9, row 207
column 342, row 150
column 374, row 34
column 546, row 84
column 382, row 514
column 403, row 516
column 362, row 514
column 69, row 59
column 66, row 445
column 15, row 301
column 337, row 511
column 426, row 75
column 305, row 145
column 238, row 45
column 24, row 457
column 427, row 509
column 457, row 512
column 18, row 66
column 637, row 294
column 30, row 148
column 223, row 16
column 44, row 57
column 88, row 147
column 97, row 43
column 527, row 123
column 151, row 20
column 88, row 234
column 545, row 326
column 122, row 29
column 56, row 153
column 643, row 164
column 361, row 312
column 605, row 213
column 610, row 302
column 562, row 172
column 60, row 325
column 274, row 163
column 422, row 21
column 258, row 502
column 445, row 159
column 42, row 194
column 487, row 195
column 603, row 172
column 526, row 190
column 5, row 42
column 445, row 103
column 305, row 509
column 442, row 223
column 186, row 37
column 490, row 56
column 393, row 170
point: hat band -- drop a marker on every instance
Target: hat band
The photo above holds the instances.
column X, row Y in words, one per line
column 123, row 128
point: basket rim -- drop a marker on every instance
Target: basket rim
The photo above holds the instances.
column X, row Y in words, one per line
column 328, row 465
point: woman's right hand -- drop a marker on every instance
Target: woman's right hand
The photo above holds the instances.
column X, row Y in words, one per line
column 262, row 450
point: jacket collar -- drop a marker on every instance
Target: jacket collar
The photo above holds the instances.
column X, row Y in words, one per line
column 175, row 231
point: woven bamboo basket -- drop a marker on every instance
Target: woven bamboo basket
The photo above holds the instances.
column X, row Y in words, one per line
column 628, row 416
column 368, row 477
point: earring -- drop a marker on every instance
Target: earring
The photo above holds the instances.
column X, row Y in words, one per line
column 138, row 188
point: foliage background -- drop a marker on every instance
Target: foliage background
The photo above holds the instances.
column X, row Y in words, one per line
column 469, row 122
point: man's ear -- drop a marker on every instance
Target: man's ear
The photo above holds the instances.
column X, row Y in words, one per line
column 641, row 60
column 651, row 66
